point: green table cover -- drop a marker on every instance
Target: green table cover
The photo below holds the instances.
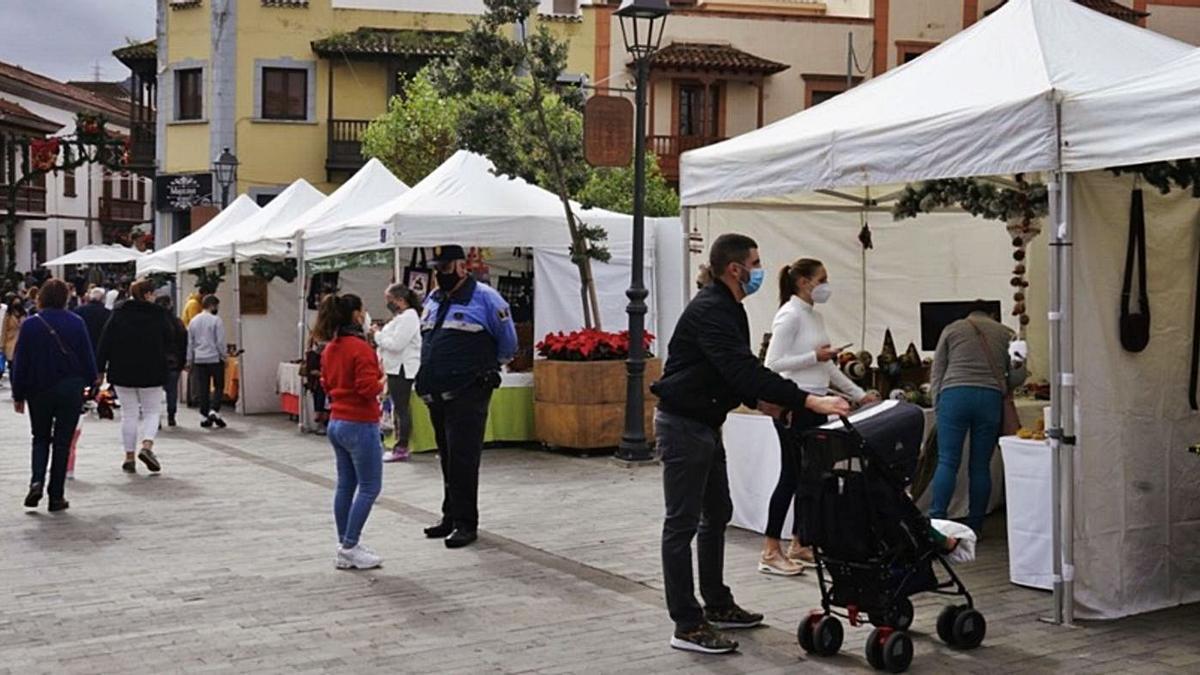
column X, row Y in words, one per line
column 510, row 419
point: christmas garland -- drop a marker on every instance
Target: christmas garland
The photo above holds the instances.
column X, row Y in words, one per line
column 269, row 269
column 1183, row 173
column 209, row 282
column 1027, row 202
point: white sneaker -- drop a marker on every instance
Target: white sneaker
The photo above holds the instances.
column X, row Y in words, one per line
column 358, row 558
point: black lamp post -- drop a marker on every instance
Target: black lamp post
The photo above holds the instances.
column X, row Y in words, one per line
column 225, row 168
column 642, row 24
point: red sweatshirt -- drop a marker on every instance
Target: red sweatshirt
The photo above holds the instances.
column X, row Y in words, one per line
column 351, row 377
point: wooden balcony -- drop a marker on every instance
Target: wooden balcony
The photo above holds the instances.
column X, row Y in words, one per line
column 669, row 148
column 345, row 145
column 122, row 211
column 31, row 199
column 141, row 150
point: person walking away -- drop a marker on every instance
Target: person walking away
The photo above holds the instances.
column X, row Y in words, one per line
column 192, row 307
column 467, row 334
column 12, row 329
column 206, row 356
column 55, row 364
column 350, row 373
column 972, row 370
column 710, row 370
column 800, row 350
column 176, row 358
column 133, row 353
column 94, row 315
column 399, row 344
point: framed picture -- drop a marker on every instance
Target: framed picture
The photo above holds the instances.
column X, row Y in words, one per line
column 253, row 295
column 419, row 280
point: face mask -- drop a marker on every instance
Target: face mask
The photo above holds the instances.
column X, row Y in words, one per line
column 757, row 276
column 447, row 281
column 393, row 307
column 822, row 293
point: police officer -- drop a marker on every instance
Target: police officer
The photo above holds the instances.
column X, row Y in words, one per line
column 468, row 334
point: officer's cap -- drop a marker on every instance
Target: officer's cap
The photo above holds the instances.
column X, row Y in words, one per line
column 445, row 254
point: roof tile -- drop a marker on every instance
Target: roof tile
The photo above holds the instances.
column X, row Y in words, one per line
column 85, row 98
column 697, row 56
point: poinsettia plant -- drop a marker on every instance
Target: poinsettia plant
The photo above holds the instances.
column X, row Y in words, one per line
column 589, row 344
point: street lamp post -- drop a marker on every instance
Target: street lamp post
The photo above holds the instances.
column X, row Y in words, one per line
column 642, row 24
column 225, row 168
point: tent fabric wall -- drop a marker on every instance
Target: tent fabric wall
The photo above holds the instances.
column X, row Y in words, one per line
column 949, row 256
column 556, row 302
column 265, row 350
column 1137, row 506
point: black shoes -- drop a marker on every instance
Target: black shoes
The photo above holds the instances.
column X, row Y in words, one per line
column 461, row 538
column 59, row 505
column 34, row 496
column 703, row 639
column 218, row 421
column 439, row 531
column 171, row 421
column 206, row 423
column 732, row 618
column 150, row 460
column 129, row 466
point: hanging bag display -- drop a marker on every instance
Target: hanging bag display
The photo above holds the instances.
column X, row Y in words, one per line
column 1135, row 326
column 417, row 275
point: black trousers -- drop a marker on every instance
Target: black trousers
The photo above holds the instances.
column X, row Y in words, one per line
column 459, row 426
column 790, row 489
column 53, row 416
column 696, row 492
column 211, row 380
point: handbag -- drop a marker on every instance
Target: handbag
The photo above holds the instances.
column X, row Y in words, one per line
column 1010, row 422
column 1135, row 327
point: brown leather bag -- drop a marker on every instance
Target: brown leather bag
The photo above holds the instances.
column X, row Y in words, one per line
column 1010, row 422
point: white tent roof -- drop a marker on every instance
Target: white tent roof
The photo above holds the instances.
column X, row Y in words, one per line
column 221, row 225
column 463, row 201
column 288, row 205
column 371, row 186
column 1161, row 107
column 98, row 253
column 981, row 103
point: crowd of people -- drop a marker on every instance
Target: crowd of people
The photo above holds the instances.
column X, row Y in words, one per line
column 450, row 347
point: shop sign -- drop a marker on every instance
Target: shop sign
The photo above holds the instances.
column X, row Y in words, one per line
column 608, row 131
column 180, row 192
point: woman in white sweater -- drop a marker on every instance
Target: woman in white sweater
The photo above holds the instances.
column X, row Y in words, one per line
column 800, row 350
column 399, row 344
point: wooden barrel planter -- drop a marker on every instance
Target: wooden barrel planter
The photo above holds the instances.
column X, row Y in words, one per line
column 581, row 404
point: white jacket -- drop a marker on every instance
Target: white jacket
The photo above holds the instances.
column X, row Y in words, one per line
column 796, row 334
column 399, row 344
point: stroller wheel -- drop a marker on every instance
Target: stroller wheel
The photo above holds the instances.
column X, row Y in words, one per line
column 897, row 652
column 945, row 624
column 806, row 632
column 827, row 639
column 900, row 616
column 874, row 647
column 969, row 628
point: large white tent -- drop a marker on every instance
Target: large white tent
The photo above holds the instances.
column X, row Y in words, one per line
column 221, row 225
column 285, row 208
column 97, row 254
column 990, row 101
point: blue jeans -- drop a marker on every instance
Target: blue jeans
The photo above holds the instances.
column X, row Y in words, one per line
column 963, row 410
column 360, row 476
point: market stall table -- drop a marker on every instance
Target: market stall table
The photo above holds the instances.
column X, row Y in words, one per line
column 1027, row 476
column 510, row 415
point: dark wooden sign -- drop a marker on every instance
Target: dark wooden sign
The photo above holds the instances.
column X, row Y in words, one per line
column 253, row 294
column 180, row 192
column 608, row 131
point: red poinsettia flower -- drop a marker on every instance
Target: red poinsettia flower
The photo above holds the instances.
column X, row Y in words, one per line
column 43, row 153
column 589, row 345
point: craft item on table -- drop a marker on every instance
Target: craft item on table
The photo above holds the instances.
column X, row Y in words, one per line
column 865, row 358
column 911, row 359
column 855, row 370
column 1135, row 325
column 889, row 362
column 1037, row 433
column 846, row 357
column 898, row 395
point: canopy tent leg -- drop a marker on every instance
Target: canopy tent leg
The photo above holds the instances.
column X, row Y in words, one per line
column 1066, row 454
column 237, row 314
column 396, row 271
column 1055, row 422
column 301, row 324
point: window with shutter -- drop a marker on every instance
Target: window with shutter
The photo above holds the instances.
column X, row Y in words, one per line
column 189, row 94
column 285, row 93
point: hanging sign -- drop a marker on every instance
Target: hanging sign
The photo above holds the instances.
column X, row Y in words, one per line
column 180, row 192
column 608, row 131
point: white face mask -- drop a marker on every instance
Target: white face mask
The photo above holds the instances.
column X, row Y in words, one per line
column 822, row 293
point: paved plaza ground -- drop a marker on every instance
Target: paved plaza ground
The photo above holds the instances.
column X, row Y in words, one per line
column 224, row 563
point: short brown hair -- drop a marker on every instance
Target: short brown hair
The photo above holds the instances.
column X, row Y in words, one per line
column 53, row 295
column 140, row 288
column 727, row 249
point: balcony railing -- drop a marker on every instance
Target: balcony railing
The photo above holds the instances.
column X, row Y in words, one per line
column 669, row 148
column 141, row 151
column 345, row 145
column 116, row 210
column 30, row 198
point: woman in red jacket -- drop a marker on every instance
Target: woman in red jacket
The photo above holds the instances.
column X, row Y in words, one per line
column 351, row 377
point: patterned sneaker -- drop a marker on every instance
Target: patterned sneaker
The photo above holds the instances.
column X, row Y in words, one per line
column 150, row 460
column 358, row 558
column 775, row 563
column 703, row 639
column 801, row 555
column 732, row 618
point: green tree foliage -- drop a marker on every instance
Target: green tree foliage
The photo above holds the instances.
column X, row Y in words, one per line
column 417, row 133
column 612, row 189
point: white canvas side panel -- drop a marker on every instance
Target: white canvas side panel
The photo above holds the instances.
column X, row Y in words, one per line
column 670, row 277
column 556, row 301
column 268, row 341
column 1137, row 487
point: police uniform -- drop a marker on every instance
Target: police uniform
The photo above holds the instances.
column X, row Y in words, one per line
column 465, row 339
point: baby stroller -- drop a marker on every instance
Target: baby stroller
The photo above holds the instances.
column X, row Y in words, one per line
column 874, row 548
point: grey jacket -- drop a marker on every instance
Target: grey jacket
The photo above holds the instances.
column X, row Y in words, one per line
column 960, row 360
column 206, row 339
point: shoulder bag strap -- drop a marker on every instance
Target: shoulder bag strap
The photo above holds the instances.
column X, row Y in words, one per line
column 987, row 351
column 61, row 347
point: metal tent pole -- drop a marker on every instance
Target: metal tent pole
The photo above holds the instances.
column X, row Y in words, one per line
column 237, row 313
column 1053, row 433
column 1066, row 455
column 301, row 322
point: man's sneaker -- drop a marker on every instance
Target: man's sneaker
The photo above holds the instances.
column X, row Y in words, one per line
column 34, row 496
column 150, row 460
column 801, row 555
column 358, row 558
column 207, row 422
column 129, row 466
column 775, row 563
column 171, row 421
column 703, row 639
column 59, row 505
column 218, row 421
column 732, row 618
column 70, row 475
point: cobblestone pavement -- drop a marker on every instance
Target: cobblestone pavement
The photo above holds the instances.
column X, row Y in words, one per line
column 224, row 563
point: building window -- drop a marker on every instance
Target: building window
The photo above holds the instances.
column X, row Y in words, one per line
column 70, row 241
column 819, row 88
column 141, row 189
column 37, row 247
column 69, row 183
column 189, row 90
column 285, row 93
column 908, row 50
column 694, row 120
column 126, row 186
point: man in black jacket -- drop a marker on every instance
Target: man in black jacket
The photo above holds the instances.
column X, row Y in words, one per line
column 709, row 372
column 94, row 315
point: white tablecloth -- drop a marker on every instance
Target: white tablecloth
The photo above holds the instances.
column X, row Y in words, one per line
column 288, row 381
column 1027, row 476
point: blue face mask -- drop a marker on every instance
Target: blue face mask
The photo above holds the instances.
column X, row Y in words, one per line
column 757, row 276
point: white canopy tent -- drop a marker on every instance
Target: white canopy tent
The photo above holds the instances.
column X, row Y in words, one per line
column 284, row 209
column 97, row 254
column 228, row 220
column 989, row 102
